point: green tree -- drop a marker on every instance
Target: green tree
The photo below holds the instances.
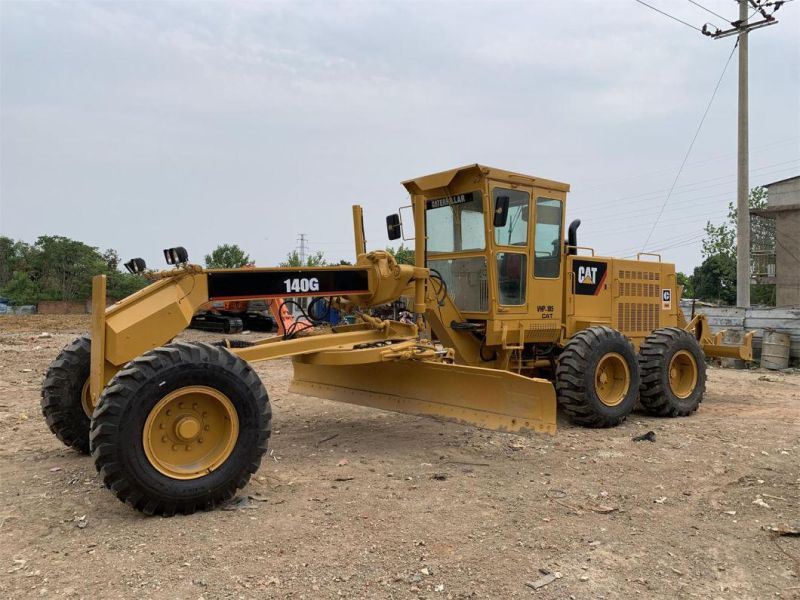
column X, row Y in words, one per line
column 686, row 281
column 402, row 254
column 120, row 285
column 313, row 260
column 20, row 289
column 14, row 256
column 62, row 268
column 227, row 256
column 715, row 279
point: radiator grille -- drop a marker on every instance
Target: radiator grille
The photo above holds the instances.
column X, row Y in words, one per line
column 639, row 301
column 638, row 316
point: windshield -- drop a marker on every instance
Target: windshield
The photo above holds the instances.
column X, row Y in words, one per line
column 455, row 223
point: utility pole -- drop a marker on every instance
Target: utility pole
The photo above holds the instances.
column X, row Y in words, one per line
column 742, row 27
column 302, row 249
column 743, row 173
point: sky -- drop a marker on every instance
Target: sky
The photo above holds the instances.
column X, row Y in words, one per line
column 144, row 125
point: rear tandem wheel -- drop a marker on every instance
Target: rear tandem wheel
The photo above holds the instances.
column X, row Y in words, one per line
column 181, row 428
column 673, row 373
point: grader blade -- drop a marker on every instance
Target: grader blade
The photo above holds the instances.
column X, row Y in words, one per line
column 485, row 398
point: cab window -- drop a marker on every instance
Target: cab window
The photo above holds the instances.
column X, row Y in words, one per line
column 515, row 231
column 547, row 238
column 455, row 223
column 511, row 277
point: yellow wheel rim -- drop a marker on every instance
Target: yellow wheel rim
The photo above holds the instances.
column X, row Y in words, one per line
column 190, row 432
column 86, row 400
column 612, row 379
column 682, row 374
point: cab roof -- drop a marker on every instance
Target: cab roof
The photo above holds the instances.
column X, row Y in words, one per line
column 441, row 180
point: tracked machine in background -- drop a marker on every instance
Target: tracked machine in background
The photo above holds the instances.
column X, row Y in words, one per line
column 511, row 320
column 233, row 316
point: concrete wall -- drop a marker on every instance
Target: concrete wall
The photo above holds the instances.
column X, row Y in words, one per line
column 59, row 307
column 787, row 258
column 783, row 195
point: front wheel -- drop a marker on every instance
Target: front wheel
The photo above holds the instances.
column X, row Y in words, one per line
column 597, row 379
column 181, row 428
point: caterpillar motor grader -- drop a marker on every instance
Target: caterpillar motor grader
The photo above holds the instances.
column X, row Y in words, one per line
column 511, row 320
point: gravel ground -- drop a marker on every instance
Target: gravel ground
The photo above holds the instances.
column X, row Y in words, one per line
column 418, row 508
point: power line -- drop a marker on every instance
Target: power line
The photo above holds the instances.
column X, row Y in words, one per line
column 708, row 10
column 670, row 16
column 694, row 186
column 594, row 185
column 696, row 133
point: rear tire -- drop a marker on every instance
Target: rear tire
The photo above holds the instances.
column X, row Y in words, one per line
column 673, row 372
column 66, row 405
column 181, row 428
column 597, row 379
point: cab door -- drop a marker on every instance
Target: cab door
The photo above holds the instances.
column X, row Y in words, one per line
column 510, row 258
column 547, row 276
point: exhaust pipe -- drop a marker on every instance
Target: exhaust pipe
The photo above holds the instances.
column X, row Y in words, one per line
column 572, row 236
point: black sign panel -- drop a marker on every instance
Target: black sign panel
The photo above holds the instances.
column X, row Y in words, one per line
column 449, row 201
column 244, row 284
column 590, row 276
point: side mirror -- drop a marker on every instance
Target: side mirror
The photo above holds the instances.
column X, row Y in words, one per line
column 393, row 228
column 500, row 211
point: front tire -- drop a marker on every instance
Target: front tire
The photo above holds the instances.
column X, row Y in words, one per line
column 66, row 403
column 181, row 428
column 673, row 373
column 597, row 379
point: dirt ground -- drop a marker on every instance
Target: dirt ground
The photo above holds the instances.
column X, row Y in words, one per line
column 422, row 509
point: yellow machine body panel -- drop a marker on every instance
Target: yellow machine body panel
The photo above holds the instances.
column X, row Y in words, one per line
column 635, row 297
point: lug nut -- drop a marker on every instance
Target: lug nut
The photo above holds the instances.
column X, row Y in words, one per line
column 164, row 439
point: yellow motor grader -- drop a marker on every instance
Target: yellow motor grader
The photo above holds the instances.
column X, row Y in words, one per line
column 511, row 318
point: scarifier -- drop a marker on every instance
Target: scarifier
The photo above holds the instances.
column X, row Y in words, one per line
column 511, row 320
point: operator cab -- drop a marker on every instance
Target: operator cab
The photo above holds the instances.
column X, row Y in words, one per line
column 496, row 239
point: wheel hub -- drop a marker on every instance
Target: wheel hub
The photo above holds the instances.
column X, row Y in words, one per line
column 86, row 400
column 190, row 432
column 187, row 428
column 682, row 374
column 612, row 379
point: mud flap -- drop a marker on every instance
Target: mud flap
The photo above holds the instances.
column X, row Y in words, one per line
column 485, row 398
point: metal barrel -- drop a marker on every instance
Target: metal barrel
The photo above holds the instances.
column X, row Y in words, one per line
column 774, row 350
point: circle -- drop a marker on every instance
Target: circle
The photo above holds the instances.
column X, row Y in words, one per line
column 612, row 379
column 682, row 374
column 177, row 457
